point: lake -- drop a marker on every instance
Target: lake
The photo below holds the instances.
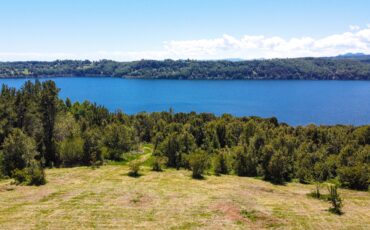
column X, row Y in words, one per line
column 293, row 102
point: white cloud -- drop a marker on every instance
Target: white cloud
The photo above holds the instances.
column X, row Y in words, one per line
column 354, row 27
column 226, row 46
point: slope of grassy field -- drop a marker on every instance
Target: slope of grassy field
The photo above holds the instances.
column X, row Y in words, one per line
column 82, row 197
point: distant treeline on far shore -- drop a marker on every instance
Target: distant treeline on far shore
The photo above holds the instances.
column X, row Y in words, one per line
column 334, row 68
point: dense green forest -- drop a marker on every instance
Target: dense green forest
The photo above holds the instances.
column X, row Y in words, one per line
column 38, row 130
column 339, row 68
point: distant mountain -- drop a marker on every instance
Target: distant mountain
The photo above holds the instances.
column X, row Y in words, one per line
column 233, row 59
column 353, row 56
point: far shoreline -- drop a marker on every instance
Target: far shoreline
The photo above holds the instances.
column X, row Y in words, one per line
column 173, row 79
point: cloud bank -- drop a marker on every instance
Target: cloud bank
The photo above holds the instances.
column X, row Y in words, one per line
column 247, row 47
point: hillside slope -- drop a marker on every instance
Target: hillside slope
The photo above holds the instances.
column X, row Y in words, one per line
column 106, row 197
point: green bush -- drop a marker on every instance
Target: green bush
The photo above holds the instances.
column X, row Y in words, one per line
column 316, row 193
column 1, row 166
column 134, row 167
column 92, row 151
column 71, row 151
column 221, row 164
column 356, row 177
column 18, row 150
column 158, row 163
column 31, row 175
column 36, row 174
column 20, row 176
column 335, row 200
column 278, row 168
column 198, row 161
column 240, row 162
column 119, row 139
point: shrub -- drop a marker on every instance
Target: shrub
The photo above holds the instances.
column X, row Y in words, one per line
column 31, row 175
column 356, row 177
column 198, row 161
column 316, row 192
column 158, row 163
column 20, row 176
column 71, row 151
column 240, row 162
column 92, row 153
column 221, row 164
column 278, row 168
column 305, row 167
column 18, row 151
column 335, row 200
column 134, row 167
column 118, row 139
column 36, row 174
column 1, row 166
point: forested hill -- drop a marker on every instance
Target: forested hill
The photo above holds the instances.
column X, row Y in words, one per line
column 296, row 68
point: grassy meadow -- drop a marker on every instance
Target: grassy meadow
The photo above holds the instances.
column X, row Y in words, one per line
column 106, row 197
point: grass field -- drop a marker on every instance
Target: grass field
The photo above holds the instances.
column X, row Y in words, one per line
column 82, row 197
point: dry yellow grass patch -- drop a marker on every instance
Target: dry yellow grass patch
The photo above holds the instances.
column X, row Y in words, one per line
column 76, row 198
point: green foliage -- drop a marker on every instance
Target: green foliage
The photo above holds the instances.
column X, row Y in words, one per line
column 31, row 175
column 66, row 127
column 278, row 168
column 20, row 176
column 176, row 146
column 158, row 163
column 362, row 135
column 71, row 151
column 335, row 200
column 246, row 161
column 355, row 177
column 18, row 150
column 36, row 174
column 198, row 161
column 134, row 167
column 354, row 171
column 19, row 159
column 316, row 192
column 249, row 214
column 36, row 125
column 221, row 163
column 240, row 162
column 292, row 68
column 49, row 107
column 119, row 139
column 92, row 150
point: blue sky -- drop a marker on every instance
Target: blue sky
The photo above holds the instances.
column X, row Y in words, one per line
column 199, row 29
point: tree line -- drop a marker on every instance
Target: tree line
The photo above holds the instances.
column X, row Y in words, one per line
column 339, row 68
column 38, row 130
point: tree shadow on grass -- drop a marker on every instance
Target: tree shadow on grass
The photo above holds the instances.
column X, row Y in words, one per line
column 134, row 175
column 198, row 177
column 335, row 211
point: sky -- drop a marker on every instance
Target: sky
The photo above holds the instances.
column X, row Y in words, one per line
column 126, row 30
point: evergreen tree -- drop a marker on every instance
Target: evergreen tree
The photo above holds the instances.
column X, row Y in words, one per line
column 221, row 163
column 18, row 150
column 198, row 161
column 92, row 148
column 49, row 108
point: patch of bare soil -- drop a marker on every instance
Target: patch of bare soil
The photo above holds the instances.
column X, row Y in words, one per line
column 254, row 218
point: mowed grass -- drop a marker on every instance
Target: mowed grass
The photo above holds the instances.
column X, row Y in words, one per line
column 86, row 198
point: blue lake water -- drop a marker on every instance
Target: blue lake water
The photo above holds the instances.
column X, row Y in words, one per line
column 294, row 102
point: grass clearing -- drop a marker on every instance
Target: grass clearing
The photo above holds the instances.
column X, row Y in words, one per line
column 106, row 197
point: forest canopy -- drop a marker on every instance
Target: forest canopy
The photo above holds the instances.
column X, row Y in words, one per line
column 336, row 68
column 38, row 129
